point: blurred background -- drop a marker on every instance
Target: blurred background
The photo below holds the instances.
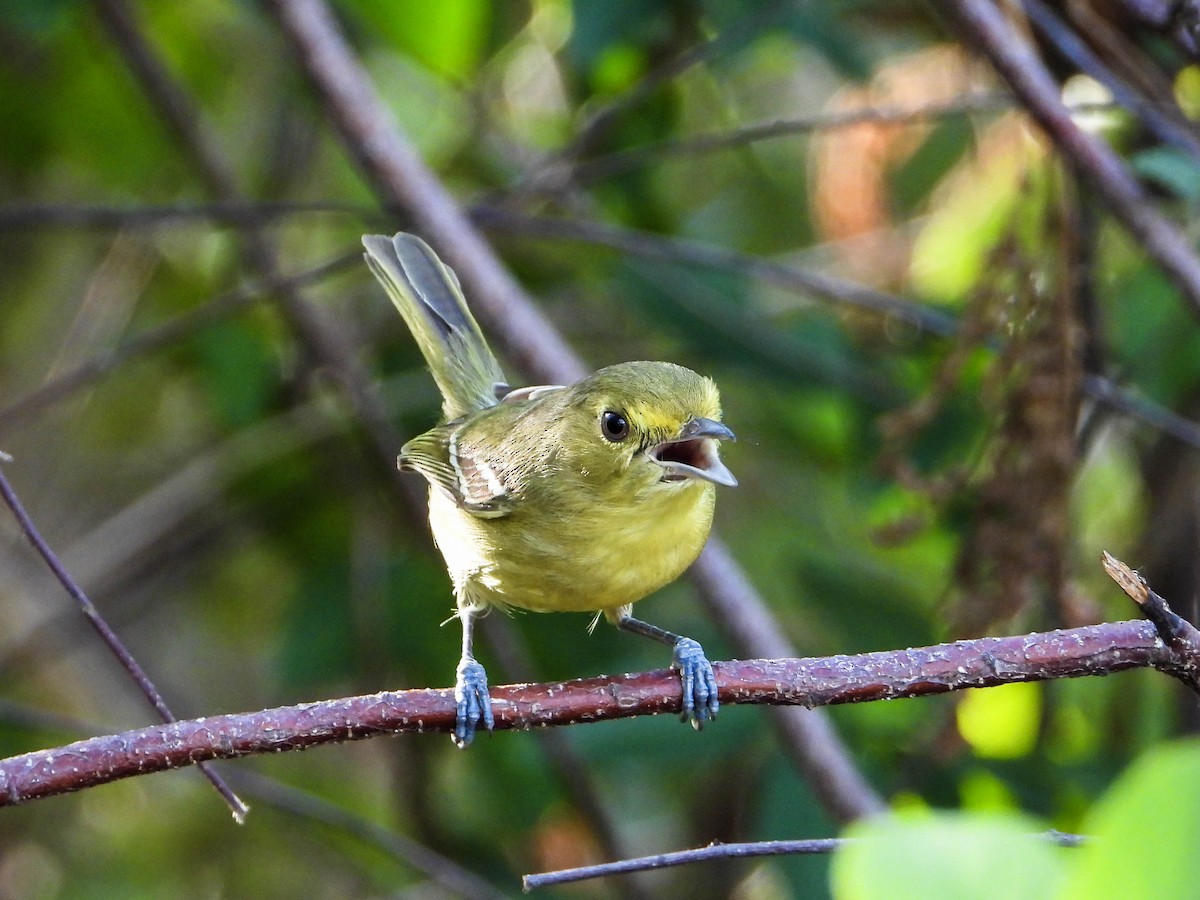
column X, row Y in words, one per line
column 910, row 302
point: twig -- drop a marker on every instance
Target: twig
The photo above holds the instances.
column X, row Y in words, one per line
column 400, row 177
column 1176, row 632
column 1014, row 58
column 514, row 663
column 718, row 850
column 618, row 162
column 985, row 662
column 1178, row 18
column 27, row 217
column 442, row 871
column 667, row 249
column 301, row 804
column 118, row 649
column 550, row 173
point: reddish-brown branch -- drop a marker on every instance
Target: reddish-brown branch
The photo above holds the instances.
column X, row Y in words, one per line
column 987, row 662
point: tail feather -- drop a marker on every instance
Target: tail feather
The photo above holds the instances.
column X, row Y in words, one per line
column 427, row 293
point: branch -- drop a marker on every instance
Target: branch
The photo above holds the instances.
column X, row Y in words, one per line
column 719, row 850
column 1164, row 123
column 556, row 173
column 1175, row 631
column 252, row 214
column 985, row 662
column 716, row 850
column 315, row 330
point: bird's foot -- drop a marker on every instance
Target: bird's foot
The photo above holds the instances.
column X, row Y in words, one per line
column 473, row 703
column 699, row 683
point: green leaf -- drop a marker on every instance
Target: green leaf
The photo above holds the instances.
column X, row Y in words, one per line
column 1170, row 169
column 947, row 856
column 1144, row 832
column 447, row 37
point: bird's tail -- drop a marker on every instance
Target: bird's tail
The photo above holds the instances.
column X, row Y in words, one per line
column 430, row 299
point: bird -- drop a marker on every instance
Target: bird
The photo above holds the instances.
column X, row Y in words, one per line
column 555, row 498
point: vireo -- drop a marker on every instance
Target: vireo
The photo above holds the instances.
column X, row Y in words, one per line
column 574, row 498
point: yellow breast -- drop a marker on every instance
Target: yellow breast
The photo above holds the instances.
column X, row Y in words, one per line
column 600, row 557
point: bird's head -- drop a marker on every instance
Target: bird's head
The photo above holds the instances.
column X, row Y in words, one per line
column 657, row 421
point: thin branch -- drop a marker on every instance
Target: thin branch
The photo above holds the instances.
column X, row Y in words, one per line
column 985, row 662
column 806, row 736
column 442, row 871
column 512, row 654
column 235, row 214
column 597, row 168
column 618, row 162
column 1176, row 632
column 301, row 804
column 170, row 332
column 647, row 245
column 114, row 644
column 127, row 539
column 602, row 119
column 1017, row 62
column 399, row 176
column 1178, row 18
column 718, row 850
column 809, row 847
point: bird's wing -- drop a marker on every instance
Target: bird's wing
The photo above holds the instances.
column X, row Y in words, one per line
column 459, row 468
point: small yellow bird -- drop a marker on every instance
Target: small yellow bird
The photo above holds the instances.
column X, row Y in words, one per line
column 576, row 498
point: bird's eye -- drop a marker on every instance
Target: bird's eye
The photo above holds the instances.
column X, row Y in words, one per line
column 614, row 426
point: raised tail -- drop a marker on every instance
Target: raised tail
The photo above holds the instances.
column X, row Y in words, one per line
column 430, row 299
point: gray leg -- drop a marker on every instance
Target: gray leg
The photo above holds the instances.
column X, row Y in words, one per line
column 470, row 687
column 695, row 671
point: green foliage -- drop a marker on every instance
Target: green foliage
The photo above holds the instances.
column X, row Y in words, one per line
column 1139, row 835
column 950, row 855
column 224, row 503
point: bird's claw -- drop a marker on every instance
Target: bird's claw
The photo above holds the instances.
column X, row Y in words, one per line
column 473, row 703
column 699, row 683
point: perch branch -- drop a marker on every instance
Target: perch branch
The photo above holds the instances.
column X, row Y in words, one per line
column 985, row 662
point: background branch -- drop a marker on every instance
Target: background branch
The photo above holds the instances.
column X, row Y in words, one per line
column 1014, row 58
column 105, row 632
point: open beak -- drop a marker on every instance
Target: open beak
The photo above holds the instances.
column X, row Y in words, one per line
column 693, row 453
